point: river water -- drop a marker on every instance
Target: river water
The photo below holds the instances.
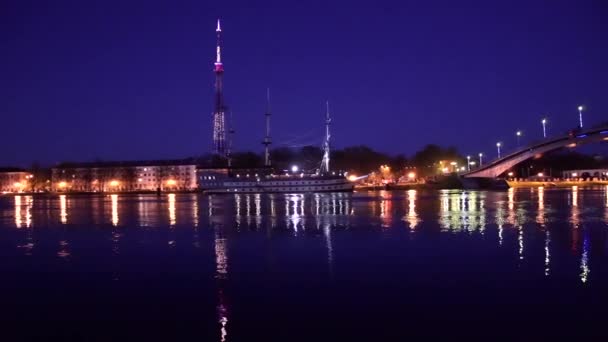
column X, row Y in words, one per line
column 382, row 265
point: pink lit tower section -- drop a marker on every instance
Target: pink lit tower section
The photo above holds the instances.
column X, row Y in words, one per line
column 219, row 120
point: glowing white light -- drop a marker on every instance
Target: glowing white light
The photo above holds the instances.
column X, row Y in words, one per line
column 114, row 199
column 294, row 168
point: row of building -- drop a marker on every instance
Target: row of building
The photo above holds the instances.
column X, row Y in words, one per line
column 108, row 177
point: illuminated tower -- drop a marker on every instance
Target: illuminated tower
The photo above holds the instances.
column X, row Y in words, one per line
column 267, row 140
column 325, row 161
column 219, row 121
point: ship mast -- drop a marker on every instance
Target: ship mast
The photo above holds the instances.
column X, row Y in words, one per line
column 267, row 141
column 325, row 161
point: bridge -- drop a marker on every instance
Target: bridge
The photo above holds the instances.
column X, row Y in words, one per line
column 574, row 138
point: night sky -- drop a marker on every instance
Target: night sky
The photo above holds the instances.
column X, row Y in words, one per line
column 122, row 80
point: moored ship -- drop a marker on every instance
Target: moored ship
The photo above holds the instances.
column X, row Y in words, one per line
column 239, row 181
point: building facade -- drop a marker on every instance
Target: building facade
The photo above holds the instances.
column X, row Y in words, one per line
column 13, row 180
column 124, row 177
column 585, row 173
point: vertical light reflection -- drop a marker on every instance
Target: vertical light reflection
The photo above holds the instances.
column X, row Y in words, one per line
column 606, row 209
column 195, row 236
column 221, row 274
column 221, row 257
column 172, row 216
column 29, row 203
column 237, row 205
column 18, row 221
column 500, row 220
column 257, row 201
column 330, row 252
column 455, row 212
column 574, row 218
column 295, row 218
column 248, row 209
column 194, row 199
column 63, row 205
column 547, row 252
column 585, row 258
column 480, row 210
column 540, row 218
column 114, row 210
column 385, row 208
column 462, row 202
column 520, row 240
column 468, row 214
column 575, row 209
column 511, row 206
column 210, row 204
column 412, row 217
column 273, row 212
column 445, row 210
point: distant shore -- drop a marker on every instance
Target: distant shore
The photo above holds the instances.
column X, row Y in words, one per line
column 563, row 184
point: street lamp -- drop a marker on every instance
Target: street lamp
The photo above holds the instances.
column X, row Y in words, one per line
column 468, row 163
column 544, row 122
column 480, row 159
column 518, row 134
column 498, row 144
column 580, row 116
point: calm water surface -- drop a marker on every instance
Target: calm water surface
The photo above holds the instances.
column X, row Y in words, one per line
column 367, row 266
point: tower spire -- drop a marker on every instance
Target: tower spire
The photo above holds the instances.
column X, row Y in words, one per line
column 219, row 122
column 325, row 161
column 267, row 141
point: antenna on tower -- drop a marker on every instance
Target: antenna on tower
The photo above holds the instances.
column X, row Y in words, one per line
column 267, row 141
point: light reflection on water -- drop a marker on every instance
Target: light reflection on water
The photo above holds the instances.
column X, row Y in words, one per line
column 551, row 233
column 459, row 211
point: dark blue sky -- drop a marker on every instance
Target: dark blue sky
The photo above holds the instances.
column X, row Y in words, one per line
column 82, row 80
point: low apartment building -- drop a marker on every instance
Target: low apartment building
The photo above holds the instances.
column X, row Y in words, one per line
column 124, row 176
column 14, row 180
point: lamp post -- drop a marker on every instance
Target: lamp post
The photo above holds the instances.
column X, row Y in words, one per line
column 480, row 159
column 498, row 144
column 544, row 122
column 580, row 116
column 518, row 134
column 468, row 163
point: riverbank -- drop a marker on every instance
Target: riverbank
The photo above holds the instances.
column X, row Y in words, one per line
column 563, row 184
column 88, row 193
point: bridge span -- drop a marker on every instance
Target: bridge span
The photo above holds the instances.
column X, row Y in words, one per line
column 576, row 138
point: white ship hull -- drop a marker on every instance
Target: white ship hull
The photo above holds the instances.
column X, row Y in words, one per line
column 279, row 185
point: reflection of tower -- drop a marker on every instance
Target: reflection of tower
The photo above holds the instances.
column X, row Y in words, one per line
column 219, row 127
column 221, row 274
column 267, row 140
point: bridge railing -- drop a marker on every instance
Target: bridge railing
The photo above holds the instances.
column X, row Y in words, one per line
column 571, row 134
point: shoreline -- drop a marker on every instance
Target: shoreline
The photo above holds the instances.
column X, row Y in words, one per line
column 415, row 186
column 558, row 184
